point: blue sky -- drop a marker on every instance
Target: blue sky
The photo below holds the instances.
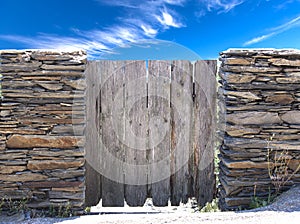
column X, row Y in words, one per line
column 153, row 29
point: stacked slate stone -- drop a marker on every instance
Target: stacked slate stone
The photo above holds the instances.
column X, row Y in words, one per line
column 42, row 117
column 260, row 108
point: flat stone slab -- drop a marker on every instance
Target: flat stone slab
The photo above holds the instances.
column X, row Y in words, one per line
column 39, row 141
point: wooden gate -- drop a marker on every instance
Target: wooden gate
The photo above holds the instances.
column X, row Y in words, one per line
column 150, row 132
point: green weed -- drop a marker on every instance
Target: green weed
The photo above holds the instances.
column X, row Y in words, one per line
column 13, row 206
column 211, row 206
column 62, row 211
column 2, row 202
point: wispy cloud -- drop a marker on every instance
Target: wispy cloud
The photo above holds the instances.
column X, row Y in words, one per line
column 148, row 30
column 284, row 4
column 288, row 25
column 174, row 2
column 138, row 4
column 95, row 42
column 121, row 3
column 222, row 5
column 219, row 6
column 142, row 20
column 259, row 39
column 275, row 31
column 156, row 14
column 167, row 20
column 47, row 41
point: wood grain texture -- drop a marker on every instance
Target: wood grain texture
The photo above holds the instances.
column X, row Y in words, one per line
column 112, row 151
column 93, row 177
column 93, row 186
column 150, row 137
column 159, row 122
column 181, row 110
column 136, row 127
column 204, row 115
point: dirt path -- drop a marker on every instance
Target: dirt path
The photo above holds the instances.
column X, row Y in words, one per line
column 285, row 210
column 203, row 218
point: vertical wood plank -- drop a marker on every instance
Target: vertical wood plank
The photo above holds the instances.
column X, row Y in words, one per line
column 93, row 186
column 167, row 154
column 93, row 177
column 136, row 125
column 159, row 125
column 181, row 118
column 112, row 152
column 204, row 113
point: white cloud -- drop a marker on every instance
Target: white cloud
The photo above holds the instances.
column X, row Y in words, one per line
column 154, row 13
column 45, row 41
column 219, row 6
column 167, row 20
column 142, row 20
column 258, row 39
column 141, row 25
column 274, row 31
column 120, row 3
column 95, row 42
column 149, row 31
column 288, row 25
column 138, row 4
column 174, row 2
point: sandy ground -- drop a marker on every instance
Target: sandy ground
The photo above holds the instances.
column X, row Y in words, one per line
column 162, row 218
column 285, row 210
column 161, row 215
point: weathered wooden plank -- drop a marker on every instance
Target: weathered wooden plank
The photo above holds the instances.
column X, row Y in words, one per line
column 112, row 149
column 93, row 177
column 136, row 126
column 204, row 115
column 119, row 119
column 181, row 111
column 159, row 135
column 93, row 186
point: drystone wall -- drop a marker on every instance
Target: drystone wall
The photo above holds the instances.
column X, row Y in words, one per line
column 259, row 110
column 42, row 117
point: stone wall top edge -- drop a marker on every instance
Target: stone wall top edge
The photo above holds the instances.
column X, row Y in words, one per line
column 271, row 51
column 15, row 51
